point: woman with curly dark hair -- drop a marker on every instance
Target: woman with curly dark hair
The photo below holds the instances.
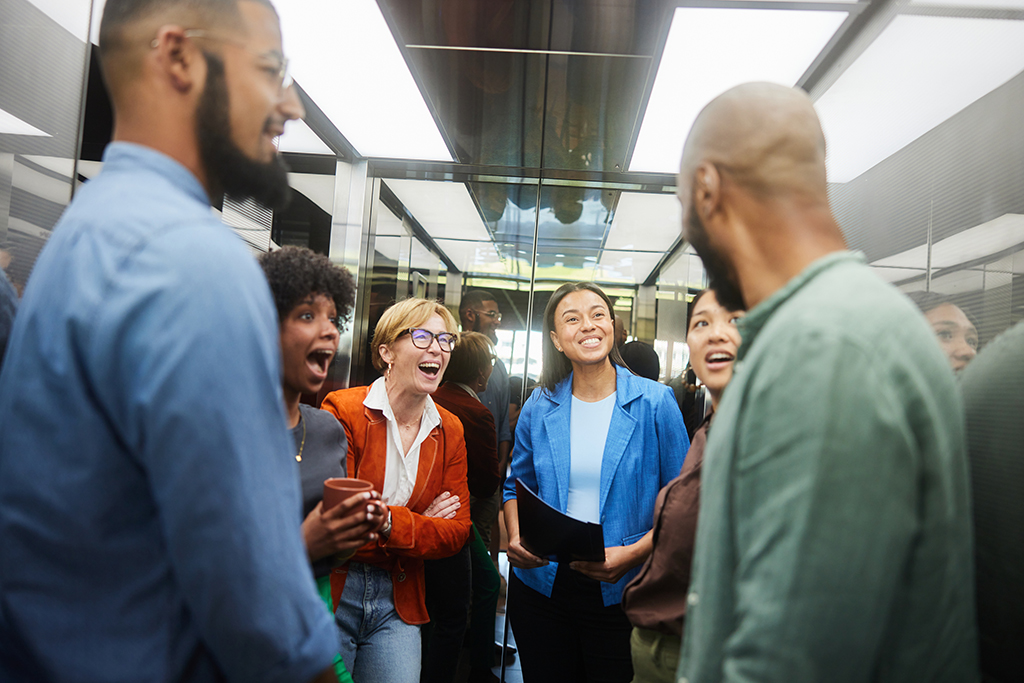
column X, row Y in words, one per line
column 313, row 299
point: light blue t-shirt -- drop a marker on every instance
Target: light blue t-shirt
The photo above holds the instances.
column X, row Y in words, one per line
column 149, row 494
column 588, row 430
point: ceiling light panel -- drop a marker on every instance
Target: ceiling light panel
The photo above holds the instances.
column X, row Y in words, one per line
column 626, row 266
column 973, row 4
column 473, row 257
column 347, row 61
column 445, row 210
column 12, row 125
column 388, row 224
column 988, row 239
column 72, row 15
column 645, row 221
column 709, row 51
column 299, row 137
column 919, row 72
column 316, row 187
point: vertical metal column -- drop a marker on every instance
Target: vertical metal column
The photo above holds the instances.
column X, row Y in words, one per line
column 353, row 229
column 646, row 314
column 453, row 292
column 6, row 184
column 403, row 289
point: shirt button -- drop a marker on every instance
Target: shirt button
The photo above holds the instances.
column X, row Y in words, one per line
column 401, row 577
column 692, row 599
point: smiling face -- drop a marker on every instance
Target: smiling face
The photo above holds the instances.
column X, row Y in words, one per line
column 584, row 329
column 244, row 107
column 484, row 319
column 956, row 333
column 309, row 340
column 713, row 340
column 415, row 370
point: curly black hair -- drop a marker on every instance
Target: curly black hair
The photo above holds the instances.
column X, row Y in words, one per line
column 294, row 273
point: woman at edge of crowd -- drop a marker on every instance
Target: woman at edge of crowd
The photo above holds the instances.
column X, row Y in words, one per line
column 655, row 601
column 413, row 452
column 956, row 332
column 313, row 298
column 458, row 582
column 597, row 443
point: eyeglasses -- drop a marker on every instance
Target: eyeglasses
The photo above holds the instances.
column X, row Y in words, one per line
column 421, row 339
column 280, row 65
column 493, row 315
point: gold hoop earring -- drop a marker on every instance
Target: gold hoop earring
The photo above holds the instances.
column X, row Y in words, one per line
column 387, row 374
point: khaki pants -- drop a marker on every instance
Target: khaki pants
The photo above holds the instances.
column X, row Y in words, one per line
column 655, row 656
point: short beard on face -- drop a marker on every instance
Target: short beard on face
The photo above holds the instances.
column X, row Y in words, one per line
column 721, row 277
column 228, row 169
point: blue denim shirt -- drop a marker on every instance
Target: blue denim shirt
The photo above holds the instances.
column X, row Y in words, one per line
column 149, row 496
column 644, row 450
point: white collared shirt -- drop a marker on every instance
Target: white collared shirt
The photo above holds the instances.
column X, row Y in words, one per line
column 400, row 472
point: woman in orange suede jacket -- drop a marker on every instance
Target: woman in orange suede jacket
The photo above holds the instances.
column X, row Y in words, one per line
column 413, row 451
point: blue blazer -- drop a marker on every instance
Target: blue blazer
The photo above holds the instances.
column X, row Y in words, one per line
column 644, row 450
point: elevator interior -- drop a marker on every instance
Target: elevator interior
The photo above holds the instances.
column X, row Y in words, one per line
column 515, row 145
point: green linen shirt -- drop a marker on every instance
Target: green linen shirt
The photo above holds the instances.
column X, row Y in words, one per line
column 834, row 537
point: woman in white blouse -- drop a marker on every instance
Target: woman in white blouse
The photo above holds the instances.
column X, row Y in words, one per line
column 413, row 451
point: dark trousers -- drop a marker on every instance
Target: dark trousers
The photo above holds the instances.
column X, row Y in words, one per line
column 570, row 637
column 448, row 586
column 486, row 587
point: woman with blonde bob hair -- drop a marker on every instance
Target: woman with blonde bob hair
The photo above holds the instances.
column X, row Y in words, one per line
column 412, row 451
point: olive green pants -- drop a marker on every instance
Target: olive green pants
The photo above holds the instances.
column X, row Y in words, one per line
column 655, row 656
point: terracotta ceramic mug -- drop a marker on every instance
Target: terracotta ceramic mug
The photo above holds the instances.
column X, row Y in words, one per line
column 340, row 489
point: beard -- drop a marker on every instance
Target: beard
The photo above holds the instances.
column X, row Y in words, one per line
column 229, row 170
column 721, row 276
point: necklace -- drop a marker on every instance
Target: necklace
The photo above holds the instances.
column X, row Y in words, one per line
column 298, row 457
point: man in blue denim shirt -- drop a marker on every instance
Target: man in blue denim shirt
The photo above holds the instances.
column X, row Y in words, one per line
column 149, row 500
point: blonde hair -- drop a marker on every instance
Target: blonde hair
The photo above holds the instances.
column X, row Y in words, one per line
column 473, row 353
column 402, row 316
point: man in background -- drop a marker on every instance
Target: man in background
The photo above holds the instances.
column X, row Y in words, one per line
column 993, row 391
column 479, row 312
column 149, row 505
column 834, row 536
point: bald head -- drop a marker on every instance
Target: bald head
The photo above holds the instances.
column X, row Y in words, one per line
column 765, row 137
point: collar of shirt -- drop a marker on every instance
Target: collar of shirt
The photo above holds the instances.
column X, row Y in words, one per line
column 752, row 323
column 400, row 471
column 129, row 157
column 466, row 388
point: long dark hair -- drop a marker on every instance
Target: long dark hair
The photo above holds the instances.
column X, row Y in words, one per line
column 556, row 366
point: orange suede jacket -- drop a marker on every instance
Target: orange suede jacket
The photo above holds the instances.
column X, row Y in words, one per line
column 413, row 538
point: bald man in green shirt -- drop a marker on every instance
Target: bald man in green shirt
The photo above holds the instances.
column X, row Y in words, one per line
column 834, row 538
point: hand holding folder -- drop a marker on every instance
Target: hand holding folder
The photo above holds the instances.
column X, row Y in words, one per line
column 551, row 534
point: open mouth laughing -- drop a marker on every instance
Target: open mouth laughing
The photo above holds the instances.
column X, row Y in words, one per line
column 319, row 360
column 430, row 367
column 716, row 360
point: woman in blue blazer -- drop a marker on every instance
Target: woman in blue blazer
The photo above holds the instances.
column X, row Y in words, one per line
column 597, row 443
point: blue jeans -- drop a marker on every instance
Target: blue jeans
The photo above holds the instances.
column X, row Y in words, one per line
column 376, row 645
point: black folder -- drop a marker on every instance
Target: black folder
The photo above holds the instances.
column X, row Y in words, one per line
column 553, row 535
